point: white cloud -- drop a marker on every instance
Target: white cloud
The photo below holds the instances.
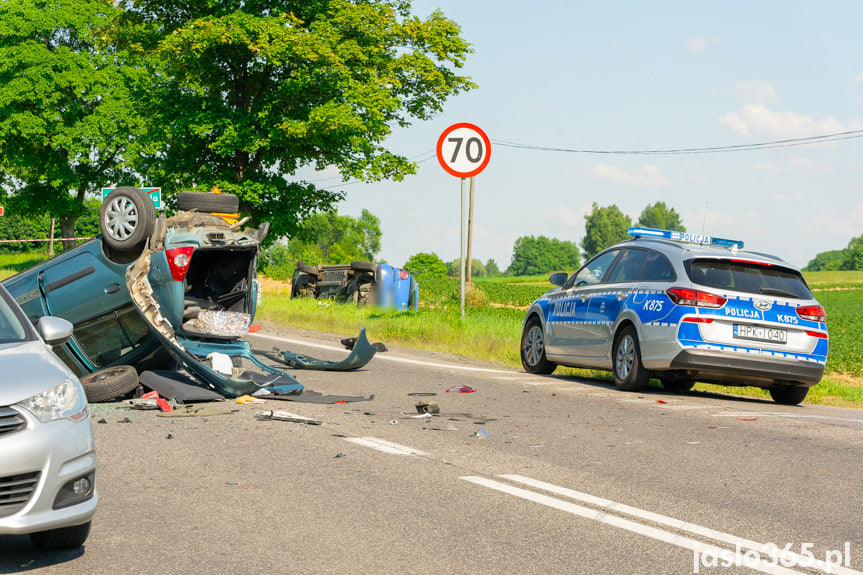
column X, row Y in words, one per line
column 786, row 197
column 645, row 176
column 700, row 44
column 795, row 164
column 842, row 225
column 755, row 91
column 564, row 215
column 757, row 119
column 859, row 78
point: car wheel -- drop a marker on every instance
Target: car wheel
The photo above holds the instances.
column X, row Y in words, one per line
column 533, row 349
column 126, row 219
column 62, row 537
column 788, row 394
column 361, row 266
column 110, row 383
column 308, row 269
column 676, row 385
column 629, row 373
column 210, row 202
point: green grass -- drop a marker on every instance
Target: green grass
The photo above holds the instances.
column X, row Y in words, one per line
column 11, row 264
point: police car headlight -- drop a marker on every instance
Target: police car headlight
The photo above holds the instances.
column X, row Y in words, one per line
column 66, row 401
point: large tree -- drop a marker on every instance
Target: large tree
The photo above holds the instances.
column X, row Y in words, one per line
column 604, row 227
column 244, row 93
column 426, row 265
column 536, row 255
column 661, row 217
column 337, row 239
column 66, row 117
column 853, row 255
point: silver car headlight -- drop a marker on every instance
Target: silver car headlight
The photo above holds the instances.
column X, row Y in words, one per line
column 66, row 401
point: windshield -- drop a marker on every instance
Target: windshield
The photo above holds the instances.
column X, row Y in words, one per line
column 748, row 277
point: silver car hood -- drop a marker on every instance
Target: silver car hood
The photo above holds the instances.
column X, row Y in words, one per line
column 27, row 369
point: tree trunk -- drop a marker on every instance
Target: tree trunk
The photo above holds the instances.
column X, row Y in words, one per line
column 67, row 230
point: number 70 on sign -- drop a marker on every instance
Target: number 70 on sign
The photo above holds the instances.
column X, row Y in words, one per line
column 463, row 150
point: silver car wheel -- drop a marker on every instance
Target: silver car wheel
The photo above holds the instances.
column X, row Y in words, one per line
column 625, row 356
column 121, row 218
column 534, row 345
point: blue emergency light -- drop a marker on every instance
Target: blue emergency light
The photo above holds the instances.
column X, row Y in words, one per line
column 685, row 237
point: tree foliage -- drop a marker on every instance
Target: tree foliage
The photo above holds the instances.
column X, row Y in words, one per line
column 826, row 261
column 661, row 217
column 853, row 255
column 604, row 227
column 66, row 115
column 477, row 269
column 425, row 265
column 536, row 255
column 328, row 238
column 243, row 94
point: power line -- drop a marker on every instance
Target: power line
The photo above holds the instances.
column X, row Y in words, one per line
column 708, row 150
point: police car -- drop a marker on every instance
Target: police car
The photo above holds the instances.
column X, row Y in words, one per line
column 682, row 308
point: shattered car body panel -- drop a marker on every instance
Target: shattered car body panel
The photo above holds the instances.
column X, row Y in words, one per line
column 360, row 283
column 143, row 309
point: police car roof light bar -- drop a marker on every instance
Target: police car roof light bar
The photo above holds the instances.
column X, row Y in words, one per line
column 685, row 237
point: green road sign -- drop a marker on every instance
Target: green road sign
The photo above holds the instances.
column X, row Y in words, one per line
column 154, row 193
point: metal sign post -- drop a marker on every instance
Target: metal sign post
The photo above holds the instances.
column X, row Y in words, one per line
column 463, row 150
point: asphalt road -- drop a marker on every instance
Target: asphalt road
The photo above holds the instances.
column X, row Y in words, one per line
column 526, row 474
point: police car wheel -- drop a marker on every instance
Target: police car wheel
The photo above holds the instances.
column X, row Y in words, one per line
column 788, row 394
column 533, row 349
column 629, row 374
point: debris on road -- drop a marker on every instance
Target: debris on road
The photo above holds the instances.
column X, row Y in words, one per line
column 461, row 389
column 287, row 416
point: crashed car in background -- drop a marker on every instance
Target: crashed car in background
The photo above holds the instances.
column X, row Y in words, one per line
column 157, row 293
column 360, row 283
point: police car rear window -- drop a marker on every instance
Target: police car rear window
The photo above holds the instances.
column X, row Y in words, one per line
column 748, row 277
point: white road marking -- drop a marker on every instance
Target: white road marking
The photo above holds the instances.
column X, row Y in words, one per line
column 394, row 358
column 385, row 446
column 641, row 528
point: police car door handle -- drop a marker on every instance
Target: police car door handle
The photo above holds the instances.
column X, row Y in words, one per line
column 622, row 296
column 583, row 298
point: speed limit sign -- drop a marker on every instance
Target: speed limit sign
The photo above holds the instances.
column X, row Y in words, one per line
column 463, row 150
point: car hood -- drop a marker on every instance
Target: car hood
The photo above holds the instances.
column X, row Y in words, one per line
column 28, row 369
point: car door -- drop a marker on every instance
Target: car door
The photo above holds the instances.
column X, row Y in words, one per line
column 608, row 298
column 568, row 325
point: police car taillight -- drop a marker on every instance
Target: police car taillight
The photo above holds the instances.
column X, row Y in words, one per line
column 404, row 274
column 694, row 297
column 178, row 261
column 812, row 313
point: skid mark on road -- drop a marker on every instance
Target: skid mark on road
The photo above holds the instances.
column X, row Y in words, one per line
column 601, row 508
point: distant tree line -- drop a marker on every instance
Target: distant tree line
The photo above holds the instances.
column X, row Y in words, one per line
column 851, row 258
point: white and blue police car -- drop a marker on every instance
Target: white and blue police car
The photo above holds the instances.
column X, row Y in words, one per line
column 682, row 308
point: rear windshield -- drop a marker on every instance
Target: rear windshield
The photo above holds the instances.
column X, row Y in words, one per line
column 748, row 277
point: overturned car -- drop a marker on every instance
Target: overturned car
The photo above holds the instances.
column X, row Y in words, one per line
column 161, row 293
column 360, row 283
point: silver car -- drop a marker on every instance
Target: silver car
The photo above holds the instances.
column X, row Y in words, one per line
column 47, row 452
column 682, row 308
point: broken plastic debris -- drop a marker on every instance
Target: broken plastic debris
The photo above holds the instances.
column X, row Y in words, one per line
column 431, row 407
column 481, row 432
column 460, row 389
column 661, row 401
column 221, row 363
column 142, row 403
column 287, row 416
column 245, row 399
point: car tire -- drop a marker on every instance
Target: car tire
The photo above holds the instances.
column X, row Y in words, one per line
column 211, row 202
column 109, row 384
column 126, row 219
column 308, row 269
column 788, row 394
column 676, row 385
column 533, row 349
column 361, row 266
column 629, row 373
column 62, row 537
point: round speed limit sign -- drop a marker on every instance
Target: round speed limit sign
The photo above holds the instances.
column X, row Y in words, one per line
column 463, row 150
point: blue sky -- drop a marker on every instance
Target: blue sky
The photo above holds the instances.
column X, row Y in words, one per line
column 640, row 76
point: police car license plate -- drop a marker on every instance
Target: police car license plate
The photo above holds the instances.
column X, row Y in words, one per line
column 760, row 333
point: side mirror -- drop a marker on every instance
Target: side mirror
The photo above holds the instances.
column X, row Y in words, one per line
column 558, row 278
column 54, row 330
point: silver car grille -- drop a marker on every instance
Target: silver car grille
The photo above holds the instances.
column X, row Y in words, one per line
column 16, row 490
column 10, row 421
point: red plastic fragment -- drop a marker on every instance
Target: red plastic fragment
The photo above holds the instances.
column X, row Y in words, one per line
column 460, row 389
